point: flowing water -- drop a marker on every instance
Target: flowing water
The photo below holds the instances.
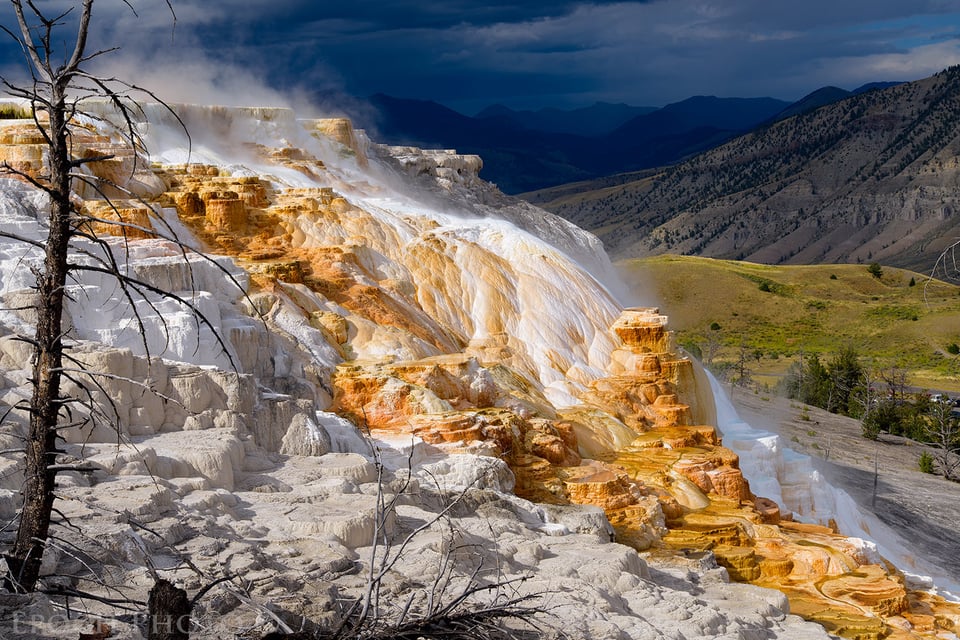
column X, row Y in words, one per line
column 781, row 474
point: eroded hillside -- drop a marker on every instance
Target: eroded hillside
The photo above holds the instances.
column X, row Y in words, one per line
column 871, row 178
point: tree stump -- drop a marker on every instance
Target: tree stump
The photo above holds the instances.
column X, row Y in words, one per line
column 169, row 612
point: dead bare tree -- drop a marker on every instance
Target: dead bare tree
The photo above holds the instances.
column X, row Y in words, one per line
column 59, row 92
column 742, row 372
column 864, row 399
column 896, row 380
column 946, row 266
column 943, row 432
column 460, row 602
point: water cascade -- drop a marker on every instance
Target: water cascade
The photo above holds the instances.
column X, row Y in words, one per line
column 789, row 478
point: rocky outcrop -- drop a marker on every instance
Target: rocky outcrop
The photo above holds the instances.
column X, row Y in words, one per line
column 353, row 143
column 446, row 166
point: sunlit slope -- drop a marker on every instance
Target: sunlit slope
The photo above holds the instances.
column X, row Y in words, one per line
column 782, row 311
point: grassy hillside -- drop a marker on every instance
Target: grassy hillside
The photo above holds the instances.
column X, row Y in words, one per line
column 781, row 311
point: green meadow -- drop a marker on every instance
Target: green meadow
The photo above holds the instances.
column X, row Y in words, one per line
column 767, row 316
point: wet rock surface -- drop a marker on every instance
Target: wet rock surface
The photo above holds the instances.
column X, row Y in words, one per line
column 923, row 509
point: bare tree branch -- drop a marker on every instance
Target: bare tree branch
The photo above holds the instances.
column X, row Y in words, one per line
column 57, row 94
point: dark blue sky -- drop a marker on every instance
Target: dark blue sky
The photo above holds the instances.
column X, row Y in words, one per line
column 526, row 55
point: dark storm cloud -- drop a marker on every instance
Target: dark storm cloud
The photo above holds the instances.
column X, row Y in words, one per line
column 428, row 15
column 470, row 54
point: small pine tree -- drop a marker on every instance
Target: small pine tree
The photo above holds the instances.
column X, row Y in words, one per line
column 846, row 374
column 925, row 462
column 875, row 270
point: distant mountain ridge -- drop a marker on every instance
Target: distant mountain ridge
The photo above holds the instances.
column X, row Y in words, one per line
column 827, row 95
column 875, row 176
column 596, row 120
column 523, row 151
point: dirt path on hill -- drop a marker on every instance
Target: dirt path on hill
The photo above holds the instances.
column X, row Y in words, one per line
column 924, row 509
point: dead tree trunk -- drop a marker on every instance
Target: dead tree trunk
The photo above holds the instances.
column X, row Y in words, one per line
column 55, row 94
column 45, row 403
column 169, row 616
